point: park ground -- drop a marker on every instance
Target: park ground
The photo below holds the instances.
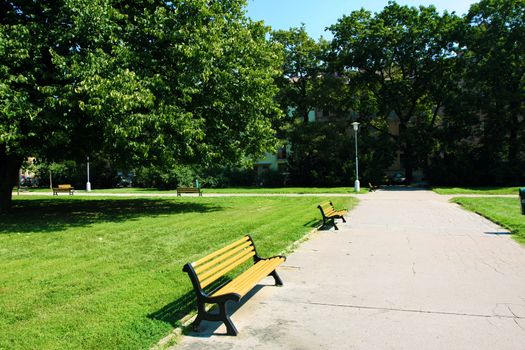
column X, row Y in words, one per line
column 85, row 272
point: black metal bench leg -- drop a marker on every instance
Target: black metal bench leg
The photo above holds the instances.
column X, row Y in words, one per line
column 278, row 281
column 333, row 223
column 195, row 325
column 230, row 328
column 342, row 217
column 201, row 314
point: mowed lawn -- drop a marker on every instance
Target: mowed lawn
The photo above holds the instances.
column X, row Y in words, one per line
column 106, row 273
column 476, row 190
column 503, row 211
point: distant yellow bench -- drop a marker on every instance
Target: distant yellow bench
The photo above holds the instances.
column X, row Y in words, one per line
column 63, row 188
column 205, row 272
column 329, row 213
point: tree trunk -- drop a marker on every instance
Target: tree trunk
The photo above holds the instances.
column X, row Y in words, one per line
column 407, row 152
column 9, row 168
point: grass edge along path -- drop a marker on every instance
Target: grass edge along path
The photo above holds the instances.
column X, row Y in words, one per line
column 93, row 273
column 505, row 212
column 231, row 190
column 477, row 190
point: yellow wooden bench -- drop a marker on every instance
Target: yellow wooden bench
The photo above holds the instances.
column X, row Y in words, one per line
column 181, row 190
column 210, row 270
column 329, row 213
column 63, row 188
column 372, row 188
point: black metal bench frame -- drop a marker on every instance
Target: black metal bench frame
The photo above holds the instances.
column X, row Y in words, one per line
column 331, row 217
column 204, row 298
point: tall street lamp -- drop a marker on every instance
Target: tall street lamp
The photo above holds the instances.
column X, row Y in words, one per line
column 88, row 184
column 356, row 184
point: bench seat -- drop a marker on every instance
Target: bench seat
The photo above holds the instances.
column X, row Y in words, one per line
column 217, row 267
column 245, row 282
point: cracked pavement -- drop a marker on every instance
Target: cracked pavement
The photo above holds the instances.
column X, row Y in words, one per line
column 409, row 270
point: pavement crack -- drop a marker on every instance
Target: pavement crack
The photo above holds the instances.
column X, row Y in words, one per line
column 518, row 324
column 512, row 312
column 413, row 268
column 492, row 267
column 447, row 313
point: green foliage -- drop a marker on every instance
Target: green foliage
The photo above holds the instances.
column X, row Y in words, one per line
column 396, row 63
column 164, row 178
column 84, row 273
column 138, row 83
column 301, row 69
column 323, row 154
column 484, row 130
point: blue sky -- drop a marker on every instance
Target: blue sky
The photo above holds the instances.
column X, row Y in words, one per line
column 319, row 14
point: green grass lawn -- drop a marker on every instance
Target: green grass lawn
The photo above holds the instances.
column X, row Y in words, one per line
column 476, row 190
column 503, row 211
column 106, row 273
column 313, row 190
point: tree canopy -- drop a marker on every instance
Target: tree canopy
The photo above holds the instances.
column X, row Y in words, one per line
column 155, row 81
column 396, row 63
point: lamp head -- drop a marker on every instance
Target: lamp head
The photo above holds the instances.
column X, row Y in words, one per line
column 355, row 125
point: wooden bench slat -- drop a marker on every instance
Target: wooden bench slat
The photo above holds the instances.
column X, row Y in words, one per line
column 246, row 277
column 225, row 268
column 249, row 283
column 224, row 264
column 220, row 251
column 217, row 259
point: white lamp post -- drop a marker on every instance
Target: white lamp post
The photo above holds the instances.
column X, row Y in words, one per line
column 88, row 184
column 357, row 185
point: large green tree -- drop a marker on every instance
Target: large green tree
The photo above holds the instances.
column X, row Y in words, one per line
column 483, row 130
column 299, row 84
column 396, row 63
column 140, row 81
column 494, row 58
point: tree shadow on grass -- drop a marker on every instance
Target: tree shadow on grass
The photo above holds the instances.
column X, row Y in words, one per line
column 51, row 215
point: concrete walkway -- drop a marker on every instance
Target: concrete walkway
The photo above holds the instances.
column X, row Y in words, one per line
column 408, row 271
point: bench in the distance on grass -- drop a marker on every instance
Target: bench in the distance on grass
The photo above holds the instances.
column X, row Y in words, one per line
column 329, row 213
column 181, row 190
column 63, row 188
column 209, row 269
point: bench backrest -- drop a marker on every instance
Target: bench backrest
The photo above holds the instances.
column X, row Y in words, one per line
column 217, row 264
column 188, row 189
column 65, row 186
column 327, row 208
